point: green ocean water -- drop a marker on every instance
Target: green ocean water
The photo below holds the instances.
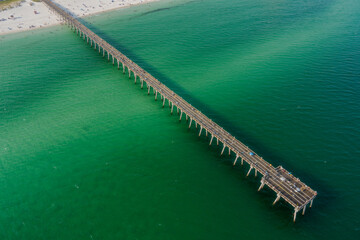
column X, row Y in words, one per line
column 86, row 154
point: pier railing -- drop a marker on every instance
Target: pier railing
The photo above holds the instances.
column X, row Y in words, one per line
column 282, row 182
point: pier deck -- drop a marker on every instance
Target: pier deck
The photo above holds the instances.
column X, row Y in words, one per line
column 283, row 183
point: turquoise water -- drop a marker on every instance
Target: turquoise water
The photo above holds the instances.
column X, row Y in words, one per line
column 85, row 154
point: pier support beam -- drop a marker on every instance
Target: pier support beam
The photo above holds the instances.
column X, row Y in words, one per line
column 148, row 90
column 223, row 150
column 212, row 137
column 164, row 102
column 190, row 122
column 142, row 83
column 303, row 212
column 277, row 199
column 172, row 109
column 180, row 116
column 295, row 212
column 155, row 95
column 262, row 185
column 311, row 202
column 251, row 167
column 200, row 131
column 237, row 156
column 217, row 141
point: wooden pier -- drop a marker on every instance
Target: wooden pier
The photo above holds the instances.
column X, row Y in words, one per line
column 282, row 182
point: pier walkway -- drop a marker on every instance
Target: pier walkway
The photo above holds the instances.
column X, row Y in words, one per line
column 282, row 182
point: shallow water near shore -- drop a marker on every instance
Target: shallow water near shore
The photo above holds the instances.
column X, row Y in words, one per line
column 86, row 154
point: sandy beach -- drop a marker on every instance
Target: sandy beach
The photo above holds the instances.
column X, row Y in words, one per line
column 31, row 15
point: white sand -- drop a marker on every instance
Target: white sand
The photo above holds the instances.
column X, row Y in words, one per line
column 31, row 15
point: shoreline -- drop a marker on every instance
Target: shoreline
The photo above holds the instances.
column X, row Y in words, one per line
column 36, row 15
column 117, row 8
